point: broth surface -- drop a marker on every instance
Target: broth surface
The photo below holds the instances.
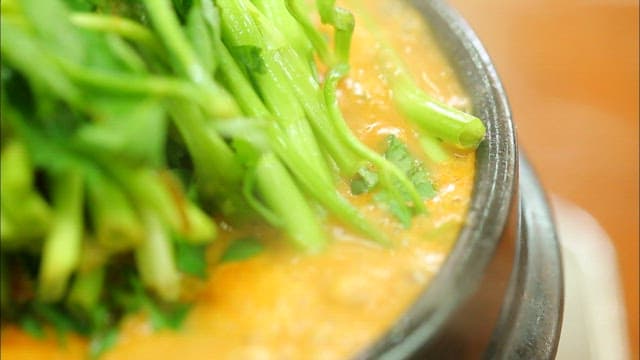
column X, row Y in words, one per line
column 283, row 304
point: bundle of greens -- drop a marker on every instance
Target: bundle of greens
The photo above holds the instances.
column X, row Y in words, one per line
column 129, row 126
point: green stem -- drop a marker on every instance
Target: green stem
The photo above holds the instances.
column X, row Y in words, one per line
column 25, row 214
column 8, row 231
column 200, row 228
column 117, row 226
column 199, row 36
column 282, row 195
column 248, row 187
column 451, row 125
column 343, row 23
column 274, row 87
column 345, row 134
column 155, row 258
column 244, row 25
column 326, row 10
column 286, row 86
column 298, row 135
column 328, row 196
column 16, row 176
column 161, row 194
column 9, row 7
column 62, row 246
column 149, row 190
column 428, row 114
column 150, row 85
column 238, row 84
column 86, row 290
column 124, row 27
column 214, row 162
column 277, row 11
column 314, row 36
column 30, row 217
column 167, row 25
column 308, row 93
column 433, row 149
column 22, row 51
column 126, row 53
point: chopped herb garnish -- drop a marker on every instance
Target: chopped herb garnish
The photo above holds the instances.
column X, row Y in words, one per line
column 364, row 181
column 399, row 210
column 396, row 201
column 420, row 178
column 398, row 153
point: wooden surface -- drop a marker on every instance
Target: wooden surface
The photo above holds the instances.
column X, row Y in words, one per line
column 570, row 68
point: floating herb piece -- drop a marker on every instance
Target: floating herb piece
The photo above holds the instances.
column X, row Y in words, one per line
column 396, row 201
column 398, row 153
column 364, row 181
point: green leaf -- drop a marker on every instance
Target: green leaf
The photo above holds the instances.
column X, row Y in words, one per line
column 395, row 199
column 50, row 150
column 420, row 178
column 364, row 181
column 32, row 326
column 162, row 315
column 242, row 249
column 250, row 57
column 26, row 53
column 191, row 259
column 399, row 210
column 109, row 53
column 130, row 296
column 140, row 139
column 61, row 320
column 398, row 153
column 102, row 342
column 101, row 317
column 169, row 316
column 50, row 20
column 201, row 36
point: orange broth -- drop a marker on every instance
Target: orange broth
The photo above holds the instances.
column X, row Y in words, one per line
column 283, row 304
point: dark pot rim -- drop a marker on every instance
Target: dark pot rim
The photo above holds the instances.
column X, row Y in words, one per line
column 532, row 311
column 492, row 197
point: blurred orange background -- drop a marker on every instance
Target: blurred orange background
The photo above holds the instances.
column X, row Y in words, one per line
column 570, row 68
